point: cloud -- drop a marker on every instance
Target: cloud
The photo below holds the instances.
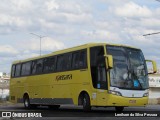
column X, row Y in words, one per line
column 151, row 22
column 7, row 50
column 27, row 49
column 25, row 55
column 45, row 15
column 51, row 5
column 131, row 9
column 102, row 35
column 47, row 44
column 72, row 22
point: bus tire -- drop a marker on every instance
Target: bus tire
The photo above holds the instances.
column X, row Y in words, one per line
column 119, row 108
column 26, row 101
column 86, row 103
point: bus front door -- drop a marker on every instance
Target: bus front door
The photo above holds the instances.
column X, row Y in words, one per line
column 98, row 73
column 101, row 86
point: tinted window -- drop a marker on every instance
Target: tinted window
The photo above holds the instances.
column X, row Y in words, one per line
column 18, row 70
column 37, row 66
column 13, row 71
column 79, row 59
column 49, row 64
column 26, row 67
column 83, row 59
column 98, row 68
column 96, row 53
column 33, row 68
column 67, row 61
column 75, row 63
column 64, row 62
column 60, row 62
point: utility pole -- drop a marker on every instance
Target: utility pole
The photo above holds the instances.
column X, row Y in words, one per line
column 40, row 37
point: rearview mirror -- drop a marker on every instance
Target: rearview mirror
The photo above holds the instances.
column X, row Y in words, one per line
column 109, row 61
column 154, row 66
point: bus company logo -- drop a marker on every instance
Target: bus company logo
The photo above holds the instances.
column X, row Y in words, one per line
column 64, row 77
column 6, row 114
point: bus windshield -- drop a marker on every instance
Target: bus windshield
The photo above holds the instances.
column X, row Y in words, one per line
column 129, row 70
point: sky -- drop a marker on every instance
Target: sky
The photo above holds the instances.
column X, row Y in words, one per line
column 68, row 23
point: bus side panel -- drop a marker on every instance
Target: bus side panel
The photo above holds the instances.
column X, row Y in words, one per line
column 13, row 91
column 80, row 82
column 16, row 89
column 39, row 86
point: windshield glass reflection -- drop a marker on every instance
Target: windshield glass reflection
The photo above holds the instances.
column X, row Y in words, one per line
column 129, row 70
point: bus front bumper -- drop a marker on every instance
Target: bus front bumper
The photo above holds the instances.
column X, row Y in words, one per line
column 124, row 101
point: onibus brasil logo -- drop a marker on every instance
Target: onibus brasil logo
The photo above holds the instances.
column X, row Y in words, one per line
column 19, row 114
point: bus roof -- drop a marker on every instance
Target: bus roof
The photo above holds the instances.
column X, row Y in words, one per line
column 70, row 50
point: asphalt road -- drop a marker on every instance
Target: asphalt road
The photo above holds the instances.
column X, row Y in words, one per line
column 72, row 112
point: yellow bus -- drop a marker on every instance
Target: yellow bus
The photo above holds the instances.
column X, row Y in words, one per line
column 90, row 75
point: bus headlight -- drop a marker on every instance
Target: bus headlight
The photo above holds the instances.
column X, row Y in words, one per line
column 146, row 94
column 114, row 93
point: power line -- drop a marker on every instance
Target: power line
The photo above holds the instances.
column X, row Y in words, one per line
column 155, row 32
column 158, row 0
column 151, row 33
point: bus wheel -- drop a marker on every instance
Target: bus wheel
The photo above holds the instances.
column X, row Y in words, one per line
column 54, row 107
column 119, row 108
column 26, row 102
column 86, row 102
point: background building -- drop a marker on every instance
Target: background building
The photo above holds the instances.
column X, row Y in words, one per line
column 4, row 85
column 154, row 84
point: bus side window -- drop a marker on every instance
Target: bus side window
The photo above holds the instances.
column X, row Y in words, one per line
column 23, row 69
column 39, row 66
column 13, row 71
column 83, row 59
column 64, row 62
column 26, row 68
column 60, row 62
column 67, row 61
column 75, row 60
column 79, row 59
column 17, row 70
column 49, row 64
column 33, row 68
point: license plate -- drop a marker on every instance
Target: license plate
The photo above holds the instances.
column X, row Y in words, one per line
column 132, row 101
